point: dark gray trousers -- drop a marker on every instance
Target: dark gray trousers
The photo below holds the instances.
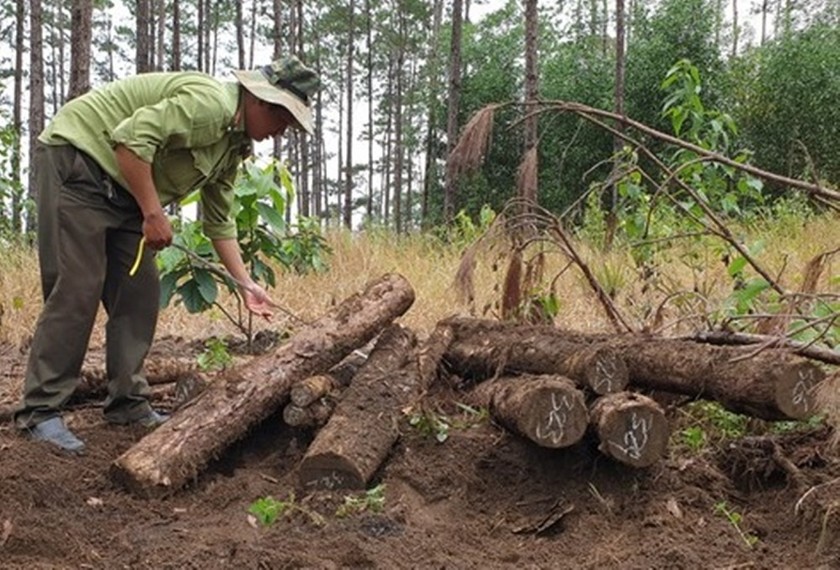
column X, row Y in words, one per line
column 88, row 233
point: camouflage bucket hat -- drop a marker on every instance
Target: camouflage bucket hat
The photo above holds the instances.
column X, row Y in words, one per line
column 287, row 82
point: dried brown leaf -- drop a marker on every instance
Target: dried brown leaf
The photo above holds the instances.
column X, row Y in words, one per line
column 474, row 142
column 512, row 290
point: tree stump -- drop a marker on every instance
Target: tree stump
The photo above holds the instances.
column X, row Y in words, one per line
column 631, row 428
column 364, row 425
column 548, row 410
column 176, row 452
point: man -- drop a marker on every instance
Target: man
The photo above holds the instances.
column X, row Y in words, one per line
column 106, row 166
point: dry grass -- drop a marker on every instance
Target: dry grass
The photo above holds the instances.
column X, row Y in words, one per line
column 431, row 268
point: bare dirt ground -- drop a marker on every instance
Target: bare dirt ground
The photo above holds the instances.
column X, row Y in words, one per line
column 481, row 499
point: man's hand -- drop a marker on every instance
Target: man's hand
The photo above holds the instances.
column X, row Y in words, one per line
column 157, row 230
column 141, row 185
column 257, row 300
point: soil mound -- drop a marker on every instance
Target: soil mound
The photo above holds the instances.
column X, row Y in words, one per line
column 482, row 498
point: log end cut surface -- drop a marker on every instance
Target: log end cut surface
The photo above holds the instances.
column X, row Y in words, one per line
column 795, row 390
column 606, row 372
column 328, row 471
column 632, row 429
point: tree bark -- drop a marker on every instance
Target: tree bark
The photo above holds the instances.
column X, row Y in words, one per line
column 315, row 414
column 529, row 184
column 363, row 427
column 143, row 23
column 16, row 182
column 431, row 353
column 485, row 348
column 399, row 125
column 315, row 387
column 177, row 451
column 347, row 206
column 548, row 410
column 631, row 428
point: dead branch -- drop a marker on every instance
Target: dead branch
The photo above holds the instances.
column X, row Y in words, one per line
column 733, row 338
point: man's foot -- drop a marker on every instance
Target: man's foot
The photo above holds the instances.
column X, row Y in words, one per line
column 151, row 420
column 55, row 432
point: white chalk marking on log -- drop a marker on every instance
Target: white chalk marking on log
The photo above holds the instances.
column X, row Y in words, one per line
column 634, row 445
column 800, row 392
column 332, row 481
column 556, row 416
column 606, row 374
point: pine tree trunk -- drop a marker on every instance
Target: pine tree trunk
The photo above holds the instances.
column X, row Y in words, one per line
column 142, row 33
column 36, row 97
column 453, row 105
column 17, row 120
column 80, row 39
column 347, row 209
column 771, row 385
column 483, row 348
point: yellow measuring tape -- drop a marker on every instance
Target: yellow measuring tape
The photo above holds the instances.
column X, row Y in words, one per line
column 138, row 258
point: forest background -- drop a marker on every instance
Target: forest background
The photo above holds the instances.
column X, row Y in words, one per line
column 758, row 80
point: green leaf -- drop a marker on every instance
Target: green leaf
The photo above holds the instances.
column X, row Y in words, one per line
column 190, row 198
column 192, row 297
column 286, row 182
column 207, row 287
column 168, row 284
column 745, row 297
column 272, row 216
column 737, row 266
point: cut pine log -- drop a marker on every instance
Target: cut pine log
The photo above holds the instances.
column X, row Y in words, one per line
column 631, row 428
column 486, row 348
column 93, row 379
column 364, row 425
column 548, row 410
column 178, row 450
column 315, row 387
column 770, row 385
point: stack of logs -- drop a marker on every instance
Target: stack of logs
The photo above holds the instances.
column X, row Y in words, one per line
column 548, row 385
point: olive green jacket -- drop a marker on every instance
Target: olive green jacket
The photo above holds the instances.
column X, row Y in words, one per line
column 182, row 123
